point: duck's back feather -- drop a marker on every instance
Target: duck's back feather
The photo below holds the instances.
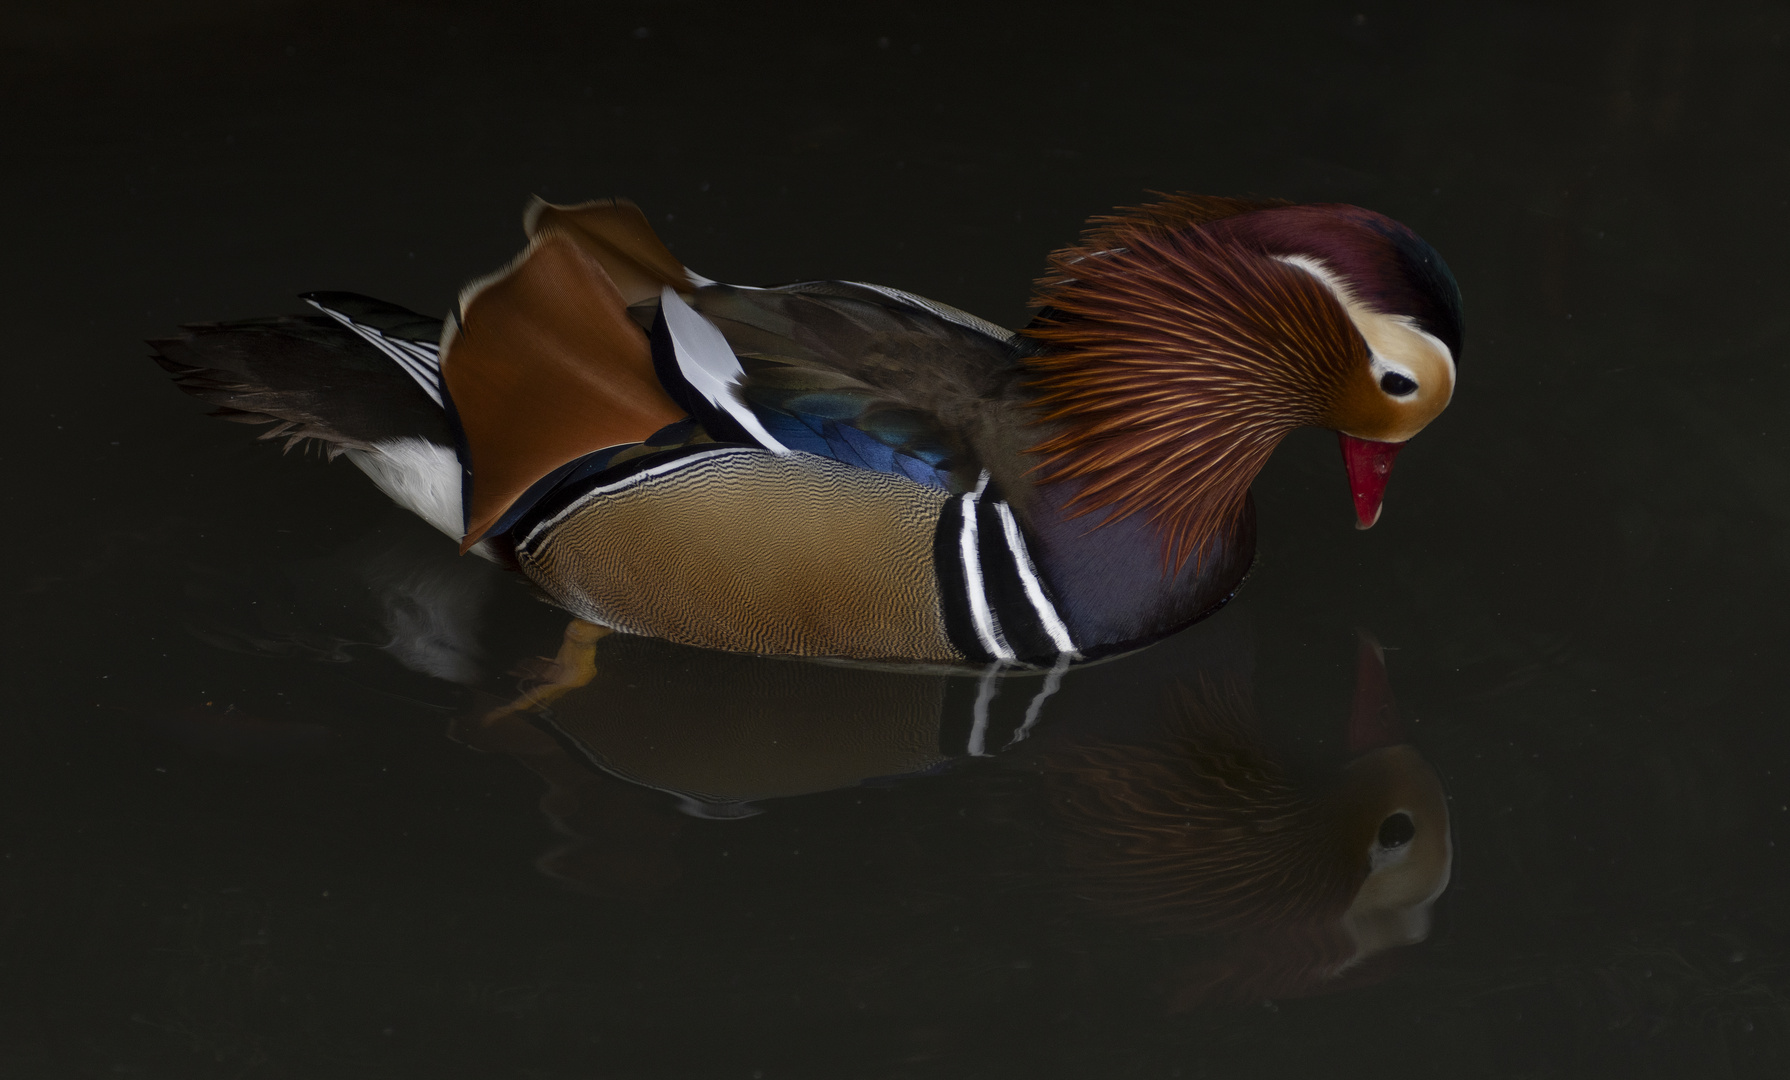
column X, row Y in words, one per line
column 872, row 377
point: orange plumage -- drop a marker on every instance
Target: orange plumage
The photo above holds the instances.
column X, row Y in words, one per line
column 1175, row 363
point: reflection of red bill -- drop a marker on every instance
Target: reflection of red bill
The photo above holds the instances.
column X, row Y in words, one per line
column 1369, row 464
column 1373, row 722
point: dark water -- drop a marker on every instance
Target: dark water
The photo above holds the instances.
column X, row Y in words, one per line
column 253, row 826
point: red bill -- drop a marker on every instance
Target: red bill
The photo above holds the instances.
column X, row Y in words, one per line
column 1369, row 464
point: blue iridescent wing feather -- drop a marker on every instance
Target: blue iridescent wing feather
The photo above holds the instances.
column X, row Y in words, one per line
column 863, row 375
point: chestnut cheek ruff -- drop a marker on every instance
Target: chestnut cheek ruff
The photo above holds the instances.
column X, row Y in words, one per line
column 1172, row 365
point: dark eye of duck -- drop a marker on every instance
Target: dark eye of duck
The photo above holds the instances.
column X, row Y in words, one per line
column 1397, row 385
column 1396, row 831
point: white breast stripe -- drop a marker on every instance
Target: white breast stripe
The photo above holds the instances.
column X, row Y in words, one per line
column 985, row 692
column 628, row 481
column 707, row 361
column 1028, row 576
column 1051, row 683
column 988, row 626
column 423, row 374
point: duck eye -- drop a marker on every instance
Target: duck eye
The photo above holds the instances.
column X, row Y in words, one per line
column 1397, row 385
column 1396, row 831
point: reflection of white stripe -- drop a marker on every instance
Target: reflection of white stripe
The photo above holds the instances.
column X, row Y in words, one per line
column 985, row 692
column 422, row 373
column 708, row 363
column 629, row 481
column 988, row 627
column 1028, row 576
column 1051, row 683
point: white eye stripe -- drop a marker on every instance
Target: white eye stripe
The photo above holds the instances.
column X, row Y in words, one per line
column 1410, row 325
column 1365, row 318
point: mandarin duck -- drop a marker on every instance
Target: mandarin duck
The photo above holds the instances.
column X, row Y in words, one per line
column 834, row 468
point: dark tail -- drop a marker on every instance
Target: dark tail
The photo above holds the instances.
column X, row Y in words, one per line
column 361, row 372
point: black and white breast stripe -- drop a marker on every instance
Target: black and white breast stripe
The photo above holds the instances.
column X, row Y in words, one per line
column 996, row 606
column 556, row 508
column 421, row 360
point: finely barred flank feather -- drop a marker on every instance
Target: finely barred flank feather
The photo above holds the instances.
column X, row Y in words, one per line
column 1174, row 362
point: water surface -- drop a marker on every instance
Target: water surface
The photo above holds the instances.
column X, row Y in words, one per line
column 253, row 826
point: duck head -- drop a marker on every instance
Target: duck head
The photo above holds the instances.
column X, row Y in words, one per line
column 1179, row 342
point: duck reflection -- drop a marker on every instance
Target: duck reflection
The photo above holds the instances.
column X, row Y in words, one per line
column 1199, row 827
column 724, row 732
column 1279, row 876
column 390, row 590
column 1186, row 821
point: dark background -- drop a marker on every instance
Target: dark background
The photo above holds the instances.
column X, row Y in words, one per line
column 1581, row 566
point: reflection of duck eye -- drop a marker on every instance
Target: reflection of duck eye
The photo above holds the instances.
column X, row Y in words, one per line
column 1397, row 385
column 1396, row 831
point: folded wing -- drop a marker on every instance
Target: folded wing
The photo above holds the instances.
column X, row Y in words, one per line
column 865, row 376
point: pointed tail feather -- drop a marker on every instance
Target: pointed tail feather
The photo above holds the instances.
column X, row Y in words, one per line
column 362, row 380
column 311, row 377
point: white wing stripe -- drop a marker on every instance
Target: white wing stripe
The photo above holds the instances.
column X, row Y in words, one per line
column 405, row 353
column 943, row 311
column 423, row 375
column 708, row 363
column 427, row 355
column 415, row 370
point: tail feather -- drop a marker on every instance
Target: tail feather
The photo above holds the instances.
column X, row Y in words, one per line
column 410, row 340
column 310, row 377
column 390, row 320
column 362, row 379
